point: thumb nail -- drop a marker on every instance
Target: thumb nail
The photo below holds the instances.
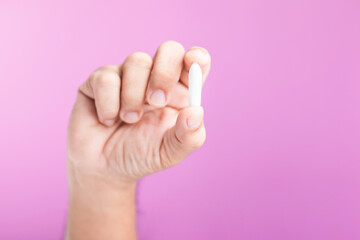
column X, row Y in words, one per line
column 194, row 122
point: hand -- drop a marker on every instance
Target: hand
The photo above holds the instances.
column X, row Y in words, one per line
column 128, row 121
column 133, row 119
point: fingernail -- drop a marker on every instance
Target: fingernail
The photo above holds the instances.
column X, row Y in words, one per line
column 131, row 117
column 157, row 98
column 109, row 123
column 194, row 122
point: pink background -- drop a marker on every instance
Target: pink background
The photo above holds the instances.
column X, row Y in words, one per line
column 282, row 105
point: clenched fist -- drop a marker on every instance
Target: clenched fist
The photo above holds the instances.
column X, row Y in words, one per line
column 130, row 120
column 134, row 119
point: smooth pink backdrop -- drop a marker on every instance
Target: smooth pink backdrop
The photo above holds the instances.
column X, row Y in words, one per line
column 282, row 105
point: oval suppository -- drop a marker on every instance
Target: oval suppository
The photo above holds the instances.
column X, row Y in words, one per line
column 195, row 85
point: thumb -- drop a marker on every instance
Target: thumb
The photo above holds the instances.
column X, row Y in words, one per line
column 187, row 135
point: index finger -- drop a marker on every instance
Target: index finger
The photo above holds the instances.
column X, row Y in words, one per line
column 199, row 55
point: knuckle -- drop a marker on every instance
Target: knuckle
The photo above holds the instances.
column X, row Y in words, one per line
column 106, row 78
column 140, row 58
column 172, row 44
column 102, row 69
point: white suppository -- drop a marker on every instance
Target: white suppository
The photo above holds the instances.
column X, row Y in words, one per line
column 195, row 85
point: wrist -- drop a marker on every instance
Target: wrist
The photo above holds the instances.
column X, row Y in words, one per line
column 97, row 192
column 98, row 205
column 97, row 189
column 89, row 178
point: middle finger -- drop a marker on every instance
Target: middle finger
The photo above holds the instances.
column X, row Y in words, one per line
column 166, row 71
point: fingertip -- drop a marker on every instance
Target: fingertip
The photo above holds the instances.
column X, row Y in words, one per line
column 187, row 135
column 109, row 122
column 199, row 55
column 191, row 118
column 194, row 123
column 195, row 117
column 191, row 131
column 130, row 117
column 156, row 98
column 107, row 118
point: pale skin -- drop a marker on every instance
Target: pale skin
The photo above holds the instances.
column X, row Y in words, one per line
column 129, row 121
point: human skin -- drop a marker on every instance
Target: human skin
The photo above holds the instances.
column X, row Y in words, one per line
column 129, row 121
